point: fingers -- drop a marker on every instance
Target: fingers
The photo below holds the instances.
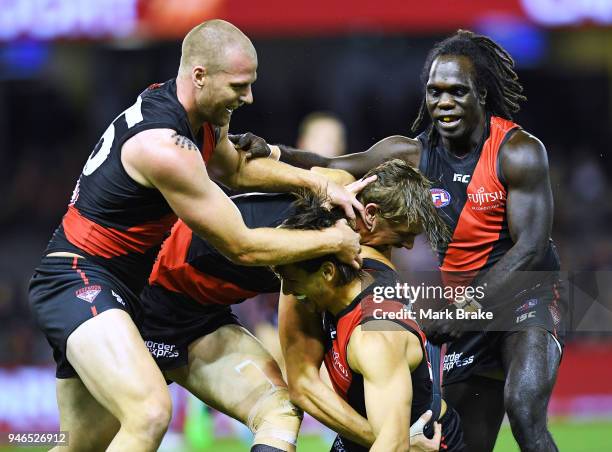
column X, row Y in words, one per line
column 437, row 433
column 358, row 185
column 417, row 427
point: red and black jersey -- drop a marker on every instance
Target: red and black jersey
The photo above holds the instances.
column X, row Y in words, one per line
column 338, row 330
column 112, row 219
column 190, row 267
column 470, row 194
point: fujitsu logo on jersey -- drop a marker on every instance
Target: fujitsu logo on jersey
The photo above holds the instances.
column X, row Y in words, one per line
column 487, row 200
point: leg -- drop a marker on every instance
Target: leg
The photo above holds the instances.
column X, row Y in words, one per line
column 480, row 404
column 232, row 372
column 531, row 360
column 114, row 365
column 91, row 426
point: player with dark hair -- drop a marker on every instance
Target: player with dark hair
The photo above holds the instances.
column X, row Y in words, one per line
column 144, row 172
column 197, row 341
column 378, row 366
column 492, row 187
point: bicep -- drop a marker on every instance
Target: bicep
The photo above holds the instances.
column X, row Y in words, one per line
column 381, row 359
column 529, row 205
column 181, row 177
column 392, row 147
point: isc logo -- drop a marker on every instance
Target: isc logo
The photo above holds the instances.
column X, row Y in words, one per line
column 527, row 315
column 440, row 198
column 465, row 178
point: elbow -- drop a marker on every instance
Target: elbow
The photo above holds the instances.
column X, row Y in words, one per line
column 298, row 391
column 245, row 258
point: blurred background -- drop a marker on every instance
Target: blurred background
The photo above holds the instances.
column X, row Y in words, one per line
column 351, row 68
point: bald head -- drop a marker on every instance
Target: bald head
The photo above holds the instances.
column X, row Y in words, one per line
column 212, row 44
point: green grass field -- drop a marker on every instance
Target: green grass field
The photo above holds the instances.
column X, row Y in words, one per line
column 570, row 437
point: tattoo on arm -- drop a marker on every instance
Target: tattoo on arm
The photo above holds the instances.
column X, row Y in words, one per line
column 184, row 142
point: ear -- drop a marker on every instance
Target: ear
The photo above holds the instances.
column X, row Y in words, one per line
column 327, row 271
column 198, row 76
column 482, row 96
column 371, row 210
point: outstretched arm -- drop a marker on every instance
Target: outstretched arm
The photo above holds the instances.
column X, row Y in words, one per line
column 232, row 168
column 154, row 159
column 357, row 164
column 302, row 345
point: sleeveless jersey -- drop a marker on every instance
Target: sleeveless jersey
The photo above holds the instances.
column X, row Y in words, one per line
column 338, row 330
column 470, row 195
column 191, row 267
column 113, row 220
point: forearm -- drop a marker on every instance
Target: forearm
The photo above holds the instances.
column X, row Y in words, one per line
column 322, row 403
column 267, row 246
column 511, row 271
column 301, row 158
column 269, row 175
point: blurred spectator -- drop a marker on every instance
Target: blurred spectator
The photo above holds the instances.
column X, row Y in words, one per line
column 322, row 133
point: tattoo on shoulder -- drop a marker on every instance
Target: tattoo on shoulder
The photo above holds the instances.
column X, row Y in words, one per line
column 184, row 142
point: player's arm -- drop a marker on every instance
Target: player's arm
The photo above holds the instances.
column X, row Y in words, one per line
column 233, row 169
column 302, row 345
column 529, row 210
column 171, row 163
column 381, row 358
column 357, row 164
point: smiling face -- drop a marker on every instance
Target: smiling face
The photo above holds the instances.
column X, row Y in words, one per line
column 226, row 89
column 308, row 287
column 454, row 104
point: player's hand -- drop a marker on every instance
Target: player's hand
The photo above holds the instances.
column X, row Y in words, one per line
column 360, row 184
column 251, row 144
column 349, row 247
column 341, row 197
column 418, row 441
column 440, row 331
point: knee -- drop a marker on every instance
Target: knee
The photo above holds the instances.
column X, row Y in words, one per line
column 274, row 420
column 151, row 416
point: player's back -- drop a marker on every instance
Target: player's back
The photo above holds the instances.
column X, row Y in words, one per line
column 188, row 266
column 111, row 219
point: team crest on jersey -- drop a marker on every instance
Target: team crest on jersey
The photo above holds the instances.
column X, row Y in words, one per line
column 529, row 304
column 441, row 198
column 88, row 293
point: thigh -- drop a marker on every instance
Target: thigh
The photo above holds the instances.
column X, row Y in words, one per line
column 531, row 359
column 91, row 426
column 480, row 404
column 229, row 370
column 111, row 359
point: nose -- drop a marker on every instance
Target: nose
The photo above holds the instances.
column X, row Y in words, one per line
column 446, row 101
column 247, row 98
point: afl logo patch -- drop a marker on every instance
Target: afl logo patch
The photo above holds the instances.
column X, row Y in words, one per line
column 440, row 198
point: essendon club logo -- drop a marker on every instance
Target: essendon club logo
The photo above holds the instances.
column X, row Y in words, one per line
column 88, row 293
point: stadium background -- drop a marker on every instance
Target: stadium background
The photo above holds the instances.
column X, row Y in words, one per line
column 68, row 67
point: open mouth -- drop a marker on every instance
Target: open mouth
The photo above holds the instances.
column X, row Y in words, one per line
column 448, row 122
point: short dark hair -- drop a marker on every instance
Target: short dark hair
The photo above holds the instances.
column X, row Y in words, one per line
column 493, row 71
column 311, row 214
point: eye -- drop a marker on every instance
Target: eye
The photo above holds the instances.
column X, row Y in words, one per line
column 460, row 91
column 433, row 92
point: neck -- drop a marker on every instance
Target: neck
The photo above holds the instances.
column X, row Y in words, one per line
column 186, row 97
column 343, row 296
column 464, row 145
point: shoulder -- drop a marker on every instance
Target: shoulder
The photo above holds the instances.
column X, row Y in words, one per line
column 523, row 156
column 156, row 154
column 382, row 343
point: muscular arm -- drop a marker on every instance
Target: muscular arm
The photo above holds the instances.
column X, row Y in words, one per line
column 358, row 164
column 381, row 358
column 161, row 159
column 529, row 209
column 302, row 345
